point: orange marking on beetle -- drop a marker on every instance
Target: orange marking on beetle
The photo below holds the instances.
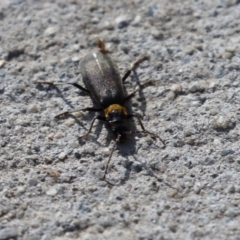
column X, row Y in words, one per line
column 113, row 107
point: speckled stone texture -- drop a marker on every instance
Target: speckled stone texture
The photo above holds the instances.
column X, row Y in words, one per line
column 51, row 185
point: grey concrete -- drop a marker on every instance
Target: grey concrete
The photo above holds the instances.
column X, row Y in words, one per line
column 51, row 185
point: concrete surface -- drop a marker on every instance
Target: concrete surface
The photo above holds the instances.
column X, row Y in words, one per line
column 51, row 185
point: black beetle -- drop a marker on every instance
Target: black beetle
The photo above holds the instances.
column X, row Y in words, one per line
column 103, row 83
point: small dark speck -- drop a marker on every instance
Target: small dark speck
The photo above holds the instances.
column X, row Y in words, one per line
column 227, row 152
column 77, row 155
column 189, row 165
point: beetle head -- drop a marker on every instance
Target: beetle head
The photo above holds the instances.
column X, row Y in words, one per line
column 119, row 129
column 115, row 118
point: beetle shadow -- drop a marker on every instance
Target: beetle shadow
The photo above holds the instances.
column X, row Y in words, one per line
column 126, row 148
column 59, row 93
column 138, row 168
column 140, row 99
column 129, row 147
column 89, row 116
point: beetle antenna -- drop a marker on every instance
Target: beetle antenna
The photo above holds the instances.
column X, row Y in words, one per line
column 110, row 156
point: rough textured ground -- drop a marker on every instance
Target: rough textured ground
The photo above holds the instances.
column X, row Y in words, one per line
column 51, row 185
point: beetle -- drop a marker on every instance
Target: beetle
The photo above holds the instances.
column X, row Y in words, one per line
column 103, row 83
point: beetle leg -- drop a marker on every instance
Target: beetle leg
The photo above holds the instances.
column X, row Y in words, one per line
column 61, row 83
column 153, row 135
column 102, row 46
column 80, row 87
column 64, row 114
column 92, row 109
column 134, row 65
column 90, row 129
column 110, row 156
column 141, row 86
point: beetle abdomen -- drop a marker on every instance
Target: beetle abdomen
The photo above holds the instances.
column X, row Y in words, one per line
column 101, row 77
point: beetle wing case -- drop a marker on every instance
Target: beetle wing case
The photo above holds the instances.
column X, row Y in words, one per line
column 101, row 77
